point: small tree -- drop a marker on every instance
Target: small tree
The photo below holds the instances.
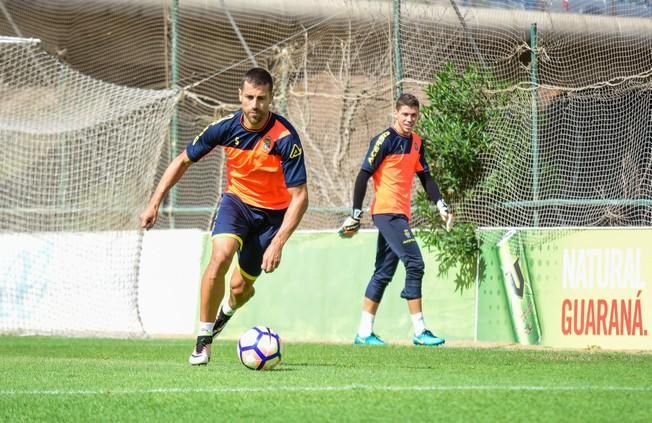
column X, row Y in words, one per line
column 454, row 126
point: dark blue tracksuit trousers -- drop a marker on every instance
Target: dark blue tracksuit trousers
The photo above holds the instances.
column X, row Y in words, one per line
column 395, row 242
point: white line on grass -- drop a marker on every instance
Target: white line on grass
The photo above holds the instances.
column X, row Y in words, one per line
column 218, row 390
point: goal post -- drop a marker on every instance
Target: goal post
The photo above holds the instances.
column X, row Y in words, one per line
column 79, row 162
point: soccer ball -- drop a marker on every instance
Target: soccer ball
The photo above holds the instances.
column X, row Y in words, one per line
column 259, row 348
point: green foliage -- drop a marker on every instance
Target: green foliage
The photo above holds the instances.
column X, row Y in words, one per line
column 454, row 126
column 457, row 248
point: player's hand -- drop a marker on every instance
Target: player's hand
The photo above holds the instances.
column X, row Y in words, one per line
column 148, row 217
column 272, row 257
column 351, row 225
column 446, row 214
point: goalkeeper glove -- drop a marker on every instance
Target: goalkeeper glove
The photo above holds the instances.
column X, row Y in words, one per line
column 351, row 225
column 445, row 214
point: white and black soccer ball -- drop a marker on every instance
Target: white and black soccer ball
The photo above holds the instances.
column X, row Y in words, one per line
column 259, row 348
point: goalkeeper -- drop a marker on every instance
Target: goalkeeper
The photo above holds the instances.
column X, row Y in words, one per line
column 265, row 198
column 393, row 158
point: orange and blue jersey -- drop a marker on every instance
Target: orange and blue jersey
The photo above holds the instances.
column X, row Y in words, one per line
column 393, row 160
column 261, row 165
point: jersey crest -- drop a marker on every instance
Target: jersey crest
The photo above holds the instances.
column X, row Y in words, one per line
column 267, row 143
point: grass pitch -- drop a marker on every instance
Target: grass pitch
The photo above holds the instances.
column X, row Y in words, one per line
column 73, row 379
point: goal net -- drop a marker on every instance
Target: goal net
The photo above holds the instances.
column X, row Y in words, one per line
column 79, row 160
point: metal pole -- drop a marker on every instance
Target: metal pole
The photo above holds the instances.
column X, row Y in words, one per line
column 9, row 19
column 245, row 46
column 535, row 118
column 283, row 99
column 174, row 82
column 468, row 33
column 398, row 63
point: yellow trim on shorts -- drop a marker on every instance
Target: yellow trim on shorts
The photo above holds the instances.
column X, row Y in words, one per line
column 245, row 274
column 234, row 236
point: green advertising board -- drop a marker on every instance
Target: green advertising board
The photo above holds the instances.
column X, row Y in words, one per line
column 316, row 294
column 569, row 288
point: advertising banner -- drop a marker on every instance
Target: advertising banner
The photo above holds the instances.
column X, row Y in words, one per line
column 573, row 288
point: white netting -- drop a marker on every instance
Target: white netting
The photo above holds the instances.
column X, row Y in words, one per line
column 79, row 160
column 581, row 156
column 336, row 72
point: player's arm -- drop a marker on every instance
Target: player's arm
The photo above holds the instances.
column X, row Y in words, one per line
column 171, row 176
column 351, row 225
column 375, row 155
column 434, row 195
column 209, row 138
column 293, row 215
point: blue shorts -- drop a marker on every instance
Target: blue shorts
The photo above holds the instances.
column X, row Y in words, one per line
column 253, row 227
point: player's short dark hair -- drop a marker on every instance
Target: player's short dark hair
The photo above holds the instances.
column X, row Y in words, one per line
column 258, row 77
column 407, row 100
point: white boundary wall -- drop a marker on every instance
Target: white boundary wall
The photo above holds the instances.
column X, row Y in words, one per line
column 170, row 273
column 78, row 284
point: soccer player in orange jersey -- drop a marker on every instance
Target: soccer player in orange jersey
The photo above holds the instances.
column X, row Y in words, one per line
column 394, row 157
column 264, row 200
